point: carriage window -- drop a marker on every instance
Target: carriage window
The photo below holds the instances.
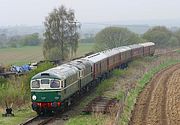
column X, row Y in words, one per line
column 35, row 84
column 45, row 81
column 55, row 84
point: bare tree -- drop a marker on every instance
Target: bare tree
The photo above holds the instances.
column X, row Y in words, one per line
column 61, row 34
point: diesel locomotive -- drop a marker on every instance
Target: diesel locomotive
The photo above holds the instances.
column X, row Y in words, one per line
column 56, row 88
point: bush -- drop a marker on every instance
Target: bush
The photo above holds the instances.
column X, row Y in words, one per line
column 16, row 90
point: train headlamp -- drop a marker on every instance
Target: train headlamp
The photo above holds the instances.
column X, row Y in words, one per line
column 34, row 97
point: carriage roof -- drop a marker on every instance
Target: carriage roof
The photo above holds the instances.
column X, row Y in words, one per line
column 147, row 44
column 96, row 57
column 110, row 52
column 134, row 46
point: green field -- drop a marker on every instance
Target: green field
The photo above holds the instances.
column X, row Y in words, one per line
column 29, row 54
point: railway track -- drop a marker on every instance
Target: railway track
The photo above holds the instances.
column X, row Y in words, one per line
column 100, row 104
column 38, row 120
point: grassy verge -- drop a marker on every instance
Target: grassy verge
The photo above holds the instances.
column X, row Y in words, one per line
column 96, row 119
column 133, row 94
column 87, row 120
column 20, row 115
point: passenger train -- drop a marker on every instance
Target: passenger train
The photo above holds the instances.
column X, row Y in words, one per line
column 56, row 88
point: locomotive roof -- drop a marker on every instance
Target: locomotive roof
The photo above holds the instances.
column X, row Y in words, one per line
column 80, row 63
column 147, row 44
column 96, row 57
column 59, row 72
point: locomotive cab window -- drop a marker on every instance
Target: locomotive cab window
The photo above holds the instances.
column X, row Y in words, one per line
column 35, row 84
column 45, row 81
column 55, row 84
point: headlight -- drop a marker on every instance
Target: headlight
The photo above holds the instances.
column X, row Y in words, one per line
column 34, row 97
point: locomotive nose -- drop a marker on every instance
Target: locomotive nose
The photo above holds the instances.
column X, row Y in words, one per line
column 47, row 96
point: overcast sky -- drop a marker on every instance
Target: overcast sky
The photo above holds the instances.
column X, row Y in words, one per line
column 33, row 12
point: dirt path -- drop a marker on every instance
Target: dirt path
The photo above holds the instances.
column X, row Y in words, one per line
column 159, row 103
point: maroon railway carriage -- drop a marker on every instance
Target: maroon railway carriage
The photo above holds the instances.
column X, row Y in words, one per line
column 148, row 48
column 136, row 50
column 113, row 58
column 100, row 65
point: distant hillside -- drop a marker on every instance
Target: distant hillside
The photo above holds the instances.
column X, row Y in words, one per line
column 94, row 28
column 87, row 29
column 21, row 30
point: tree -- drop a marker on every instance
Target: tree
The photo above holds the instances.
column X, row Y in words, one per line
column 177, row 35
column 61, row 36
column 31, row 40
column 15, row 41
column 111, row 37
column 173, row 41
column 3, row 40
column 159, row 34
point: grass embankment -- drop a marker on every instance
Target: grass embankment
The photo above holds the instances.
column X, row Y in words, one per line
column 24, row 55
column 97, row 119
column 133, row 94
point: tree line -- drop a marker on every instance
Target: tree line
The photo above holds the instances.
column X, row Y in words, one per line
column 111, row 37
column 20, row 40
